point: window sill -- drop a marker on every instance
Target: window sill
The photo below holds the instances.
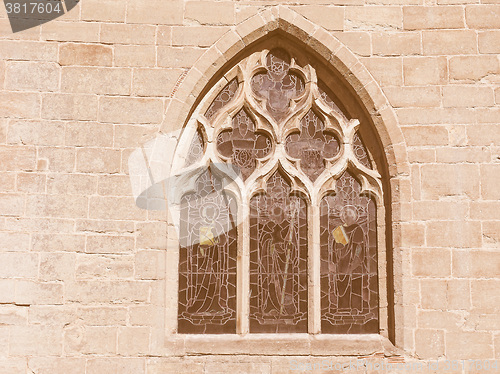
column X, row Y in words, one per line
column 280, row 344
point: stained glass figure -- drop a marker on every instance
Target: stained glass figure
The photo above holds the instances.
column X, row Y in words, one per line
column 222, row 99
column 312, row 145
column 278, row 85
column 207, row 263
column 242, row 144
column 278, row 260
column 349, row 290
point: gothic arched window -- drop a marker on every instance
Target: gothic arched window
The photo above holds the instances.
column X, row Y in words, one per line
column 278, row 226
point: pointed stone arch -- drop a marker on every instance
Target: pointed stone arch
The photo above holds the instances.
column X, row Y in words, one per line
column 280, row 20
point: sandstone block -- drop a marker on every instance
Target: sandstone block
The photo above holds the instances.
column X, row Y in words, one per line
column 100, row 81
column 122, row 33
column 57, row 159
column 473, row 68
column 18, row 265
column 114, row 185
column 36, row 341
column 488, row 41
column 330, row 17
column 31, row 182
column 443, row 42
column 155, row 12
column 98, row 160
column 104, row 10
column 429, row 343
column 58, row 266
column 465, row 96
column 17, row 158
column 122, row 365
column 490, row 179
column 357, row 41
column 84, row 32
column 483, row 16
column 85, row 54
column 56, row 206
column 425, row 70
column 58, row 242
column 89, row 266
column 395, row 44
column 388, row 71
column 196, row 36
column 30, row 292
column 176, row 57
column 27, row 132
column 373, row 18
column 57, row 365
column 32, row 76
column 130, row 110
column 110, row 244
column 14, row 241
column 102, row 315
column 89, row 134
column 433, row 293
column 457, row 234
column 440, row 266
column 449, row 180
column 135, row 55
column 133, row 341
column 210, row 13
column 19, row 105
column 28, row 50
column 433, row 17
column 469, row 345
column 69, row 107
column 416, row 97
column 11, row 204
column 155, row 82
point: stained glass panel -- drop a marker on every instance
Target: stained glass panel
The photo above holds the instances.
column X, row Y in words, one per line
column 278, row 260
column 312, row 145
column 349, row 290
column 278, row 85
column 360, row 151
column 195, row 149
column 222, row 99
column 242, row 144
column 207, row 263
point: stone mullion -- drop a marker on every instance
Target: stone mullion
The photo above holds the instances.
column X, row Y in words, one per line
column 243, row 272
column 314, row 286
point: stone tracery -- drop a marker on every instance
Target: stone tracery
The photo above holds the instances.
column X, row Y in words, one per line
column 276, row 124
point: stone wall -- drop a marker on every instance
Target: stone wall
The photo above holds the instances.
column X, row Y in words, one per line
column 83, row 269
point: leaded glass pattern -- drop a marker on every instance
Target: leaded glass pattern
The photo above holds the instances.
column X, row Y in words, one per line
column 195, row 149
column 242, row 145
column 312, row 145
column 278, row 85
column 306, row 245
column 349, row 291
column 222, row 99
column 278, row 260
column 207, row 267
column 360, row 151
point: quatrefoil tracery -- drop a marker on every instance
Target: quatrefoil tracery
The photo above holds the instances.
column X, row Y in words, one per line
column 274, row 113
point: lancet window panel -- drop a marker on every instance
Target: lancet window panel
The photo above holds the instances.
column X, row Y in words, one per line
column 278, row 259
column 349, row 291
column 302, row 256
column 207, row 267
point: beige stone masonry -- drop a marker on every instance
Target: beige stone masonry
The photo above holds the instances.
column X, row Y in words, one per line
column 85, row 272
